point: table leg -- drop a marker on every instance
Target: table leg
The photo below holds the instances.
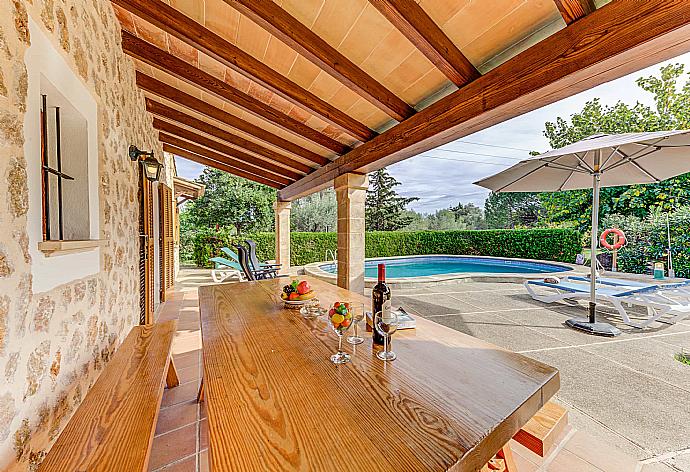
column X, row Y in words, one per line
column 171, row 379
column 200, row 395
column 503, row 461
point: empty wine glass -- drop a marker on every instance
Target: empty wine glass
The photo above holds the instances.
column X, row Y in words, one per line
column 386, row 324
column 340, row 321
column 357, row 310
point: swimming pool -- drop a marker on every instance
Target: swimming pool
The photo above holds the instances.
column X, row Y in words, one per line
column 424, row 266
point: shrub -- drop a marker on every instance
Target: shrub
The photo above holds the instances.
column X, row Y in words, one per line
column 545, row 244
column 648, row 241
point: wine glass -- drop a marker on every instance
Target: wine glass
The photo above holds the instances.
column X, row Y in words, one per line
column 357, row 316
column 340, row 320
column 386, row 324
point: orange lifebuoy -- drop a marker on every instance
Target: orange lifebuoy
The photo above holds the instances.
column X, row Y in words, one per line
column 613, row 247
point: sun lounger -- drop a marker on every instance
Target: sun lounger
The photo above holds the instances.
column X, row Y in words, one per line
column 616, row 282
column 672, row 300
column 225, row 268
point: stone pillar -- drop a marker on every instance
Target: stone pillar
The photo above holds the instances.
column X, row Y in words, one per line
column 282, row 212
column 351, row 192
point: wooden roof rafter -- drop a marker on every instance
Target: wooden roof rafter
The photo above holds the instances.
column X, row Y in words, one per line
column 225, row 149
column 414, row 23
column 300, row 38
column 163, row 90
column 573, row 10
column 209, row 158
column 610, row 42
column 169, row 113
column 150, row 54
column 201, row 38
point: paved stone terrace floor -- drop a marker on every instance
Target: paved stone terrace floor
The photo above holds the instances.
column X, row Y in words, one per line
column 628, row 399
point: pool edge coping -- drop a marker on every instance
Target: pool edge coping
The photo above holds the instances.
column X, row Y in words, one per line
column 314, row 270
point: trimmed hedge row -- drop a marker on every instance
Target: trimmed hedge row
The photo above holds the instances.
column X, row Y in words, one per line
column 545, row 244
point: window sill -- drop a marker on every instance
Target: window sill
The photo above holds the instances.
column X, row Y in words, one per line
column 59, row 248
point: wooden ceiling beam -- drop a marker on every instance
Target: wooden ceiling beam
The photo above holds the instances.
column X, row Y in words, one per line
column 163, row 90
column 573, row 10
column 611, row 42
column 206, row 161
column 164, row 111
column 196, row 35
column 418, row 27
column 182, row 70
column 289, row 30
column 247, row 159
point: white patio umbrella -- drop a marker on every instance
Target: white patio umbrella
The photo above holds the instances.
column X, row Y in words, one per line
column 598, row 161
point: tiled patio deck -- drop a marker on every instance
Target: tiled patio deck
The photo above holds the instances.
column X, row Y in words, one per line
column 627, row 397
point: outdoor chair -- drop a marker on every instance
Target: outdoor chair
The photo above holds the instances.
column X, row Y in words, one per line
column 249, row 272
column 659, row 300
column 256, row 264
column 224, row 269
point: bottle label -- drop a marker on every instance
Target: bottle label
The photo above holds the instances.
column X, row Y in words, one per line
column 386, row 310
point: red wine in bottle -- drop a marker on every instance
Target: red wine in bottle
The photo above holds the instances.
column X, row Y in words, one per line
column 380, row 301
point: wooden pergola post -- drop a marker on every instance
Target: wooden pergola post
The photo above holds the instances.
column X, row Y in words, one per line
column 282, row 215
column 351, row 191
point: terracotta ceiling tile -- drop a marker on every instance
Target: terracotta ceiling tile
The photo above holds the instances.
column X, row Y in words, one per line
column 222, row 19
column 280, row 104
column 125, row 18
column 191, row 8
column 237, row 80
column 252, row 38
column 425, row 86
column 442, row 11
column 303, row 72
column 211, row 66
column 260, row 93
column 279, row 56
column 300, row 115
column 183, row 51
column 472, row 21
column 369, row 30
column 336, row 19
column 151, row 34
column 305, row 11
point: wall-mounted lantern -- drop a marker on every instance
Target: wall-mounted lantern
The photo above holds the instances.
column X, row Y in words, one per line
column 152, row 168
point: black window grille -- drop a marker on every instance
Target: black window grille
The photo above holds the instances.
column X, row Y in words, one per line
column 48, row 171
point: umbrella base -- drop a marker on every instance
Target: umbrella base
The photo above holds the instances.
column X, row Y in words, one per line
column 596, row 328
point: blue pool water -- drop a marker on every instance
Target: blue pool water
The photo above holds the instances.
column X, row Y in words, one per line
column 434, row 265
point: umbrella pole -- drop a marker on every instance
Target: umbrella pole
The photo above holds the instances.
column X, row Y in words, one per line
column 591, row 325
column 594, row 246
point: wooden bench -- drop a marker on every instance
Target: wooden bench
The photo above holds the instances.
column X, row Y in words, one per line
column 112, row 430
column 540, row 433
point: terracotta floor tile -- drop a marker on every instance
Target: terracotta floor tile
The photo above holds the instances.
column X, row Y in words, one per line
column 173, row 446
column 177, row 416
column 187, row 359
column 186, row 465
column 203, row 434
column 189, row 374
column 204, row 461
column 566, row 461
column 179, row 394
column 524, row 465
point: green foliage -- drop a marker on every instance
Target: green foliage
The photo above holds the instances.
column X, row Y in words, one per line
column 648, row 242
column 671, row 111
column 467, row 216
column 231, row 201
column 385, row 209
column 544, row 244
column 683, row 358
column 511, row 209
column 315, row 213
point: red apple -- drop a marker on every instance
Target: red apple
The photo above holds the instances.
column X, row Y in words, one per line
column 303, row 287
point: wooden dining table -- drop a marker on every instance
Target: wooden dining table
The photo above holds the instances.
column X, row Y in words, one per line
column 276, row 402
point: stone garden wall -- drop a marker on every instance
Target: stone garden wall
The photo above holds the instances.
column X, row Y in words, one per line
column 53, row 344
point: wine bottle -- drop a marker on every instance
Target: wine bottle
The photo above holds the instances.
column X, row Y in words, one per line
column 380, row 301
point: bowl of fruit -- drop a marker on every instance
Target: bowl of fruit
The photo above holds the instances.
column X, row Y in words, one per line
column 297, row 293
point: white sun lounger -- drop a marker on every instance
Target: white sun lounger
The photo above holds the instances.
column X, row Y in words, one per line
column 659, row 300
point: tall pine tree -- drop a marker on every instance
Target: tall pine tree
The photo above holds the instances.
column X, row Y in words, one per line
column 385, row 209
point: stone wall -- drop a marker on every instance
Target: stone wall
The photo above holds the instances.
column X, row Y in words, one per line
column 53, row 344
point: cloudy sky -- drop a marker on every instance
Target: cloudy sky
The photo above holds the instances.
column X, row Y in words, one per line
column 443, row 176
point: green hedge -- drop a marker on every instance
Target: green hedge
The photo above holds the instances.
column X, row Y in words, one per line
column 545, row 244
